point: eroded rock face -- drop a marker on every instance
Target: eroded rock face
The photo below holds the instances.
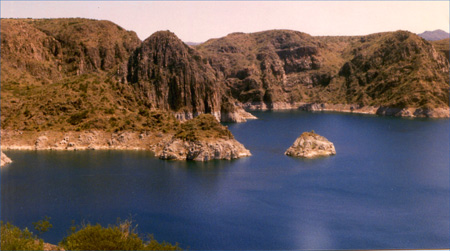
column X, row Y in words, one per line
column 177, row 149
column 311, row 145
column 4, row 159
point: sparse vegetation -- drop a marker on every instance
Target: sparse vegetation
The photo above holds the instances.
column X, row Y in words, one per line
column 202, row 127
column 121, row 236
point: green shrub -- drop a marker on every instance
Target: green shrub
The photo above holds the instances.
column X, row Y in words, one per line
column 13, row 238
column 121, row 236
column 77, row 118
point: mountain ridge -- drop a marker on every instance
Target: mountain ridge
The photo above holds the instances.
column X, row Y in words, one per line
column 80, row 74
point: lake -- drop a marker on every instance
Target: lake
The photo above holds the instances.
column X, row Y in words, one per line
column 387, row 188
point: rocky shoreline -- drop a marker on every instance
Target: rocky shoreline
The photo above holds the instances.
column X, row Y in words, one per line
column 352, row 108
column 4, row 159
column 165, row 146
column 239, row 115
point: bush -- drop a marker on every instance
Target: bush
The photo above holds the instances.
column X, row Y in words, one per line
column 121, row 236
column 77, row 118
column 13, row 238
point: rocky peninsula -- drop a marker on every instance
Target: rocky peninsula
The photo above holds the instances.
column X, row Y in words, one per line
column 311, row 145
column 200, row 139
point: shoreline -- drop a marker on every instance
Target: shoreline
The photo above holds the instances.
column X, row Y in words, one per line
column 163, row 146
column 435, row 113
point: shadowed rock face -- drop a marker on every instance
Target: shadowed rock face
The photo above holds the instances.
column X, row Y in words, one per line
column 170, row 75
column 311, row 145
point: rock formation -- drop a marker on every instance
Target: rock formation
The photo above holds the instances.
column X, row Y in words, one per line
column 4, row 159
column 311, row 145
column 177, row 149
column 169, row 75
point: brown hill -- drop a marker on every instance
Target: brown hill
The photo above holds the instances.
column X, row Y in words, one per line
column 80, row 74
column 63, row 74
column 281, row 68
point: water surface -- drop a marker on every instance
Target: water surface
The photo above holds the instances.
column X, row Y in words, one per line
column 387, row 187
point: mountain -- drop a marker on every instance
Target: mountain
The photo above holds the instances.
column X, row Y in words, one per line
column 434, row 35
column 79, row 74
column 282, row 69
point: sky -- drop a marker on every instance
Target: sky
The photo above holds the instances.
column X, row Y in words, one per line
column 198, row 21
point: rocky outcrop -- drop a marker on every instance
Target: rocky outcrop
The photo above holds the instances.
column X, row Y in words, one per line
column 169, row 75
column 311, row 145
column 220, row 149
column 4, row 159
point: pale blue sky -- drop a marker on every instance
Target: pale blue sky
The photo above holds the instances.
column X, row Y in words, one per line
column 198, row 21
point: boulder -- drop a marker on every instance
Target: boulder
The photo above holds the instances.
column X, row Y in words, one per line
column 311, row 145
column 177, row 149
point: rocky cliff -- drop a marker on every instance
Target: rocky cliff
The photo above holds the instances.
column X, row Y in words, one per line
column 170, row 75
column 311, row 145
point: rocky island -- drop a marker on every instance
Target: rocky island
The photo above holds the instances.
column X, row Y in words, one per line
column 311, row 145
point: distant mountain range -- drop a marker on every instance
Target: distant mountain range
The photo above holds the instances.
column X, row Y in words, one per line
column 434, row 35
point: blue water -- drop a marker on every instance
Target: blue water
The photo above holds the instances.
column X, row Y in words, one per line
column 387, row 187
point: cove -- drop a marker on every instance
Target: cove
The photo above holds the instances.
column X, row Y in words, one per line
column 387, row 187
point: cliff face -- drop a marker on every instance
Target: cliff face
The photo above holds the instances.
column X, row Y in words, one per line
column 170, row 75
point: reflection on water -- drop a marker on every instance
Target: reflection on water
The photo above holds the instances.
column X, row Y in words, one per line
column 387, row 187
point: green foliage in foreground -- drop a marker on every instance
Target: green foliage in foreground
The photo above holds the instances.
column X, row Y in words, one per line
column 13, row 238
column 121, row 236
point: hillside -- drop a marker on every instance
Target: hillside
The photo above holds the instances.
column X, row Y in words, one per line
column 282, row 69
column 442, row 46
column 62, row 74
column 80, row 74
